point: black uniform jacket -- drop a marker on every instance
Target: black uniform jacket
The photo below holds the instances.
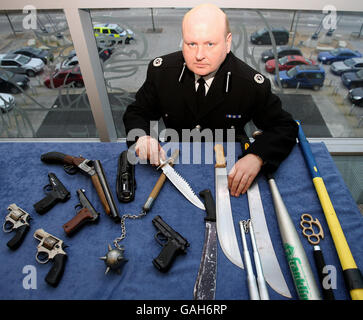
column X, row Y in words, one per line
column 169, row 93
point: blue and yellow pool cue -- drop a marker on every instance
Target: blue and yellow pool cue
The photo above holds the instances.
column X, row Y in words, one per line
column 352, row 275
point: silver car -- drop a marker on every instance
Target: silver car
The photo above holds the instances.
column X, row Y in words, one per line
column 19, row 63
column 349, row 65
column 7, row 102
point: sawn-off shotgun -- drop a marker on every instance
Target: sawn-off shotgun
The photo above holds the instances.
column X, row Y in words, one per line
column 72, row 164
column 352, row 275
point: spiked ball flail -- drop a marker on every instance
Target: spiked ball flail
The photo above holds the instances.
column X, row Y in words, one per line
column 114, row 259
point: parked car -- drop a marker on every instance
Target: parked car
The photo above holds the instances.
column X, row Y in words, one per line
column 7, row 102
column 303, row 76
column 44, row 55
column 356, row 96
column 349, row 65
column 19, row 63
column 64, row 77
column 262, row 36
column 104, row 53
column 72, row 59
column 353, row 79
column 287, row 63
column 340, row 54
column 11, row 82
column 113, row 31
column 69, row 62
column 281, row 52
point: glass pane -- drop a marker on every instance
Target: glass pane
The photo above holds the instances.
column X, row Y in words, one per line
column 45, row 90
column 351, row 168
column 141, row 35
column 324, row 105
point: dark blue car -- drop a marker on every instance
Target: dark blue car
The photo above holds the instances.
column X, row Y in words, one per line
column 340, row 54
column 303, row 76
column 353, row 79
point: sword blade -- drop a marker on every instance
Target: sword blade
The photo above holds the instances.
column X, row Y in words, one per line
column 270, row 265
column 205, row 285
column 225, row 226
column 178, row 181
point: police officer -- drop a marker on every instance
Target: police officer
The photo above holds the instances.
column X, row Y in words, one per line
column 233, row 92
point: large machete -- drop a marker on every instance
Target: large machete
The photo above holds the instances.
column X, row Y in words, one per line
column 270, row 265
column 225, row 227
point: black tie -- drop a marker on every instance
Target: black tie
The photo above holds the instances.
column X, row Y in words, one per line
column 200, row 93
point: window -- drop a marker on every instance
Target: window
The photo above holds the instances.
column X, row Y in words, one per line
column 44, row 104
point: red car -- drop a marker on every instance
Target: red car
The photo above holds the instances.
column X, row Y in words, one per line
column 65, row 76
column 287, row 63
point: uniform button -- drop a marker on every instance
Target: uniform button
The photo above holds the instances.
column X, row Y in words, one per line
column 198, row 127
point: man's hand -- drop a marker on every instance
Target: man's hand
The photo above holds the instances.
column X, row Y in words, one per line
column 149, row 148
column 243, row 173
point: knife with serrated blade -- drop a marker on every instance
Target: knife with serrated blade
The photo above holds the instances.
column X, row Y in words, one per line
column 205, row 284
column 178, row 181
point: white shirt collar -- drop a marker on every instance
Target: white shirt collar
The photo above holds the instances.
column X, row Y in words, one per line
column 208, row 79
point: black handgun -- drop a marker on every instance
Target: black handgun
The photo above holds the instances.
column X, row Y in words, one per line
column 57, row 192
column 125, row 183
column 174, row 244
column 18, row 220
column 92, row 168
column 87, row 213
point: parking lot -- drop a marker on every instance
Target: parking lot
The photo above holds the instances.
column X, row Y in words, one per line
column 125, row 71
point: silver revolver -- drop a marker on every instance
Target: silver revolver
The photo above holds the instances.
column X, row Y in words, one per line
column 17, row 219
column 51, row 248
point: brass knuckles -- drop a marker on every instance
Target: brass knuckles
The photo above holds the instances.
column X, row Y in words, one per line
column 313, row 238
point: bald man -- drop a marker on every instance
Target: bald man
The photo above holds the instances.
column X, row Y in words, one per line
column 232, row 94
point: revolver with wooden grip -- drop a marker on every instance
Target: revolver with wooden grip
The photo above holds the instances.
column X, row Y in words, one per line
column 91, row 168
column 87, row 213
column 17, row 220
column 51, row 248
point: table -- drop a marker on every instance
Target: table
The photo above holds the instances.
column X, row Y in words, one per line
column 23, row 175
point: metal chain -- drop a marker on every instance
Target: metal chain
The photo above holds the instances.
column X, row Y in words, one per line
column 123, row 226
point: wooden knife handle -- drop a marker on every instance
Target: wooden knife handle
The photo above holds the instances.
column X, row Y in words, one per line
column 155, row 191
column 101, row 194
column 220, row 159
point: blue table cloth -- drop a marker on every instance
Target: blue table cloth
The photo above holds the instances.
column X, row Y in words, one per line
column 23, row 175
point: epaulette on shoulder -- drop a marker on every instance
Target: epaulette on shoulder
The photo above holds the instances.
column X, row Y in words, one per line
column 170, row 60
column 249, row 73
